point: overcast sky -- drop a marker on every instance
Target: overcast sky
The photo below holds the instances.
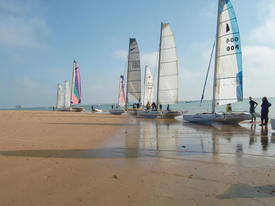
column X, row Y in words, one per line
column 39, row 39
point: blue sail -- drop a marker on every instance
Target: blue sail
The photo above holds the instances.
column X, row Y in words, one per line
column 229, row 75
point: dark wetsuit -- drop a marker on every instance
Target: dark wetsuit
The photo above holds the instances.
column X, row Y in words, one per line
column 264, row 112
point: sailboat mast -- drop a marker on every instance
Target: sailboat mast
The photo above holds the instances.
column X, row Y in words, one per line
column 159, row 64
column 73, row 82
column 216, row 54
column 127, row 89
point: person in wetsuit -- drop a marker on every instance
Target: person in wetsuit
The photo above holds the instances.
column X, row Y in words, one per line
column 253, row 105
column 264, row 111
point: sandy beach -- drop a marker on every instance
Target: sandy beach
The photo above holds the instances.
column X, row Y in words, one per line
column 60, row 158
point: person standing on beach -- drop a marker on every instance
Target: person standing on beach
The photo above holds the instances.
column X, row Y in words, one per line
column 253, row 105
column 264, row 111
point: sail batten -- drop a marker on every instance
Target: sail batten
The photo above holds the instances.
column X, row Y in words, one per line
column 134, row 73
column 168, row 67
column 228, row 77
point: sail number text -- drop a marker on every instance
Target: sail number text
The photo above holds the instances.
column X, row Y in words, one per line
column 232, row 40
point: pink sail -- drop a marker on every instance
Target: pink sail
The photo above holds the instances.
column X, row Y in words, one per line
column 122, row 100
column 76, row 86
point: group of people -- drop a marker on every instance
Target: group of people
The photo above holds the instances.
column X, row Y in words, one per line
column 264, row 110
column 154, row 107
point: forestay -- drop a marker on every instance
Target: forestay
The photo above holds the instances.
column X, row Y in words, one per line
column 229, row 77
column 168, row 67
column 134, row 74
column 148, row 86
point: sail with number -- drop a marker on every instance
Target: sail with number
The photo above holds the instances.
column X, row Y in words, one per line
column 148, row 87
column 168, row 67
column 228, row 79
column 59, row 100
column 121, row 98
column 76, row 87
column 134, row 73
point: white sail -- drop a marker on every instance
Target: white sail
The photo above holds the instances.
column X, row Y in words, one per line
column 228, row 86
column 148, row 86
column 133, row 74
column 168, row 67
column 59, row 99
column 67, row 101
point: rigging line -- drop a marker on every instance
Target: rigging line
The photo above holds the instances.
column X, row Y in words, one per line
column 202, row 96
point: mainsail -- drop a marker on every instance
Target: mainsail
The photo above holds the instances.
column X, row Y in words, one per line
column 133, row 74
column 76, row 87
column 168, row 67
column 66, row 94
column 59, row 103
column 121, row 98
column 228, row 77
column 148, row 86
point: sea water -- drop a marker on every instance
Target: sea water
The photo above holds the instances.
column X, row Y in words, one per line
column 190, row 106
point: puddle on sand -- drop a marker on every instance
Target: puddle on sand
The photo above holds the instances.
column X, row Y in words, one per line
column 183, row 138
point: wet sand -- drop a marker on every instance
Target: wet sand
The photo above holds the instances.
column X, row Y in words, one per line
column 55, row 158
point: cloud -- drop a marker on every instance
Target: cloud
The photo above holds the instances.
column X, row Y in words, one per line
column 259, row 70
column 258, row 55
column 121, row 54
column 27, row 83
column 264, row 34
column 18, row 28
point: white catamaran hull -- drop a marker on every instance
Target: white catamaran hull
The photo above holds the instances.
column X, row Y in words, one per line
column 149, row 114
column 116, row 111
column 170, row 114
column 202, row 118
column 273, row 124
column 96, row 110
column 234, row 117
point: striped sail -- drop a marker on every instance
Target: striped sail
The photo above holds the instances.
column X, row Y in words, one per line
column 148, row 86
column 168, row 67
column 134, row 73
column 121, row 98
column 228, row 76
column 66, row 94
column 76, row 87
column 59, row 100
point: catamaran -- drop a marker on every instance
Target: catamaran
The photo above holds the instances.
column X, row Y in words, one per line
column 119, row 107
column 76, row 89
column 133, row 76
column 228, row 75
column 167, row 85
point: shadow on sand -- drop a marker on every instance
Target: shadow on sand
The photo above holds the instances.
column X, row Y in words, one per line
column 96, row 124
column 246, row 191
column 81, row 153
